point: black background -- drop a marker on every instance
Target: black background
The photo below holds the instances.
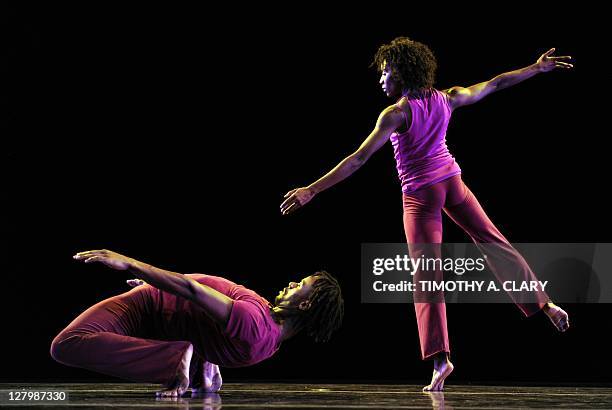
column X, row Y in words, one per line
column 171, row 135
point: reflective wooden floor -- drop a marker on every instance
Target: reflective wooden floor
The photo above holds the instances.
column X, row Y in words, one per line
column 312, row 396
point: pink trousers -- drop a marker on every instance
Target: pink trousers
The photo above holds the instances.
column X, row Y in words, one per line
column 123, row 336
column 423, row 225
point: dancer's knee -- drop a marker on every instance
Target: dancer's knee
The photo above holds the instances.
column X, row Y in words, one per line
column 62, row 348
column 58, row 350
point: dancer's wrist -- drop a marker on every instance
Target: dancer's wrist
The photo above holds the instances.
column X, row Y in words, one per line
column 136, row 267
column 535, row 67
column 313, row 189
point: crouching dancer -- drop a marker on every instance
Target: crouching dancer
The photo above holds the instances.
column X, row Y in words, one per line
column 177, row 326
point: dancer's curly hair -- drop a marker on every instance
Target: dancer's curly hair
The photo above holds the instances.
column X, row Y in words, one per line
column 413, row 63
column 326, row 308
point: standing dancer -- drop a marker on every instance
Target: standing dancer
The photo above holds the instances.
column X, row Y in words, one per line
column 151, row 333
column 431, row 179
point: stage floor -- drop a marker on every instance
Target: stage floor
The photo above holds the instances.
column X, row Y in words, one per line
column 315, row 396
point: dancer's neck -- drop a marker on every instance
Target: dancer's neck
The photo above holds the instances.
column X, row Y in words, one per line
column 285, row 323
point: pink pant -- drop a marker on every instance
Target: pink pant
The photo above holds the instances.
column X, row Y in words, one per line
column 122, row 336
column 423, row 225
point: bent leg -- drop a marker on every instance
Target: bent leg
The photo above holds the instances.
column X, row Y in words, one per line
column 502, row 258
column 104, row 339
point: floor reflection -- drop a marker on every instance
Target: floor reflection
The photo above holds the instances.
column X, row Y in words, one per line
column 437, row 400
column 320, row 396
column 204, row 401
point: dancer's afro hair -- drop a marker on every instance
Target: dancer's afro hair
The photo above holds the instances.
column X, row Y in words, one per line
column 413, row 63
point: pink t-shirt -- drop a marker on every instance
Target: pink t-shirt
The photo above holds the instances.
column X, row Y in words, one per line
column 421, row 154
column 251, row 335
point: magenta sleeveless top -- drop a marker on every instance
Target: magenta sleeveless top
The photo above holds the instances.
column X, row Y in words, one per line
column 421, row 153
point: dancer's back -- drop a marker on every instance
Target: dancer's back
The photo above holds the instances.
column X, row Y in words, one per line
column 251, row 334
column 421, row 154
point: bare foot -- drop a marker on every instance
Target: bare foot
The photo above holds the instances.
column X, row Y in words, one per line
column 441, row 371
column 557, row 316
column 212, row 380
column 181, row 382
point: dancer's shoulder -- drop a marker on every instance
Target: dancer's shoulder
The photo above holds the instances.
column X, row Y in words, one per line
column 402, row 114
column 394, row 114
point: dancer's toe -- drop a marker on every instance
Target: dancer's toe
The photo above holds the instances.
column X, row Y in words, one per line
column 172, row 392
column 558, row 317
column 180, row 384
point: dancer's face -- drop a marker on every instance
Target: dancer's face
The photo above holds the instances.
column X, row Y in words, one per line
column 296, row 294
column 388, row 81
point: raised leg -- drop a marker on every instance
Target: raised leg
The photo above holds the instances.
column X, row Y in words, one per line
column 502, row 258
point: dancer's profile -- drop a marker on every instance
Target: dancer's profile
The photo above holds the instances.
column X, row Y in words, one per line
column 431, row 178
column 171, row 327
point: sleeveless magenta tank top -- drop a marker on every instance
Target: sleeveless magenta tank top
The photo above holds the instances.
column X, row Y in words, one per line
column 421, row 153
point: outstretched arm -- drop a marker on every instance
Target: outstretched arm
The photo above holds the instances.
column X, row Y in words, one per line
column 388, row 121
column 214, row 303
column 460, row 96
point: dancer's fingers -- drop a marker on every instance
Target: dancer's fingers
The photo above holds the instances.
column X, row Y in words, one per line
column 290, row 202
column 291, row 208
column 287, row 201
column 85, row 254
column 563, row 65
column 93, row 251
column 94, row 259
column 561, row 58
column 290, row 192
column 549, row 52
column 292, row 198
column 82, row 255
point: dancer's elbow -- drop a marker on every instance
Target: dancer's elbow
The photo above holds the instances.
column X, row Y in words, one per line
column 357, row 159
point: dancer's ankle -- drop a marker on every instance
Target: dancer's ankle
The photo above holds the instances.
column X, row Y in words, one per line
column 440, row 359
column 547, row 306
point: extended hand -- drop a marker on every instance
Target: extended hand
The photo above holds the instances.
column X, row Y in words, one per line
column 109, row 258
column 296, row 198
column 548, row 63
